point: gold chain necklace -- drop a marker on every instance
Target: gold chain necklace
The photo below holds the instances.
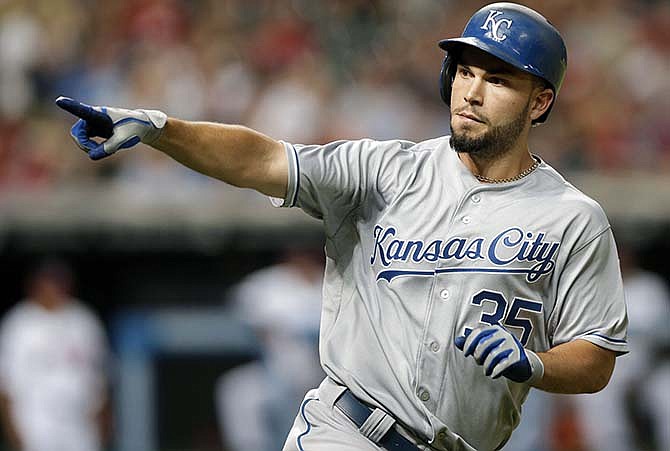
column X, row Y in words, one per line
column 519, row 176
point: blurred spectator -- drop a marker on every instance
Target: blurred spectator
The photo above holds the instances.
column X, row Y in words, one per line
column 630, row 413
column 282, row 304
column 293, row 106
column 52, row 368
column 657, row 395
column 20, row 39
column 537, row 421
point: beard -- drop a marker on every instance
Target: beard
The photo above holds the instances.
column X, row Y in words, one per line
column 493, row 143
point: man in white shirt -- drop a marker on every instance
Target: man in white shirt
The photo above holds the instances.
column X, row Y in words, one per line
column 52, row 368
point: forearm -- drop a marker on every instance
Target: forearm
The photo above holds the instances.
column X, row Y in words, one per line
column 576, row 367
column 103, row 419
column 232, row 153
column 11, row 433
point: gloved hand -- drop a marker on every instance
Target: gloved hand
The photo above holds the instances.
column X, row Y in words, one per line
column 121, row 128
column 501, row 354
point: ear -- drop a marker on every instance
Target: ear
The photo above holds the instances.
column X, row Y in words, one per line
column 541, row 102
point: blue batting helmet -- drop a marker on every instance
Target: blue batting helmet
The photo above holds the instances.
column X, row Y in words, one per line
column 515, row 34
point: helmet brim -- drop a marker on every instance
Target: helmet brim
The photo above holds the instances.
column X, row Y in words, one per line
column 454, row 45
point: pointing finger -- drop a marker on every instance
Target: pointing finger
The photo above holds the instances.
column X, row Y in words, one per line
column 98, row 123
column 74, row 107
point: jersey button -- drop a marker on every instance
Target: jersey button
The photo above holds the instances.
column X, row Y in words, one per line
column 424, row 395
column 444, row 294
column 466, row 219
column 476, row 198
column 434, row 346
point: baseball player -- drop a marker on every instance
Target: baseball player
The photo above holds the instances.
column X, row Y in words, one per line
column 648, row 313
column 281, row 305
column 460, row 271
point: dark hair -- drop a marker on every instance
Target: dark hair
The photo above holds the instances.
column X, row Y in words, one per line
column 541, row 83
column 54, row 269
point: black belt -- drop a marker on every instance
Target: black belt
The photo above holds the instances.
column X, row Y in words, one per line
column 359, row 412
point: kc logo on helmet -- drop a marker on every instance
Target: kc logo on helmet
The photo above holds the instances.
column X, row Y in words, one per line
column 493, row 26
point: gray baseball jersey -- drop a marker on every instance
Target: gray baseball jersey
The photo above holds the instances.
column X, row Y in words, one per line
column 418, row 250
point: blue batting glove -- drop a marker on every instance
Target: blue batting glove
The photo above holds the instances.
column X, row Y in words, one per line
column 501, row 354
column 121, row 128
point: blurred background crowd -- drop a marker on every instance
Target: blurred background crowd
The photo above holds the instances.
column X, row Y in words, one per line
column 309, row 71
column 304, row 71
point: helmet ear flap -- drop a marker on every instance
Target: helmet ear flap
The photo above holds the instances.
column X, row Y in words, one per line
column 447, row 77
